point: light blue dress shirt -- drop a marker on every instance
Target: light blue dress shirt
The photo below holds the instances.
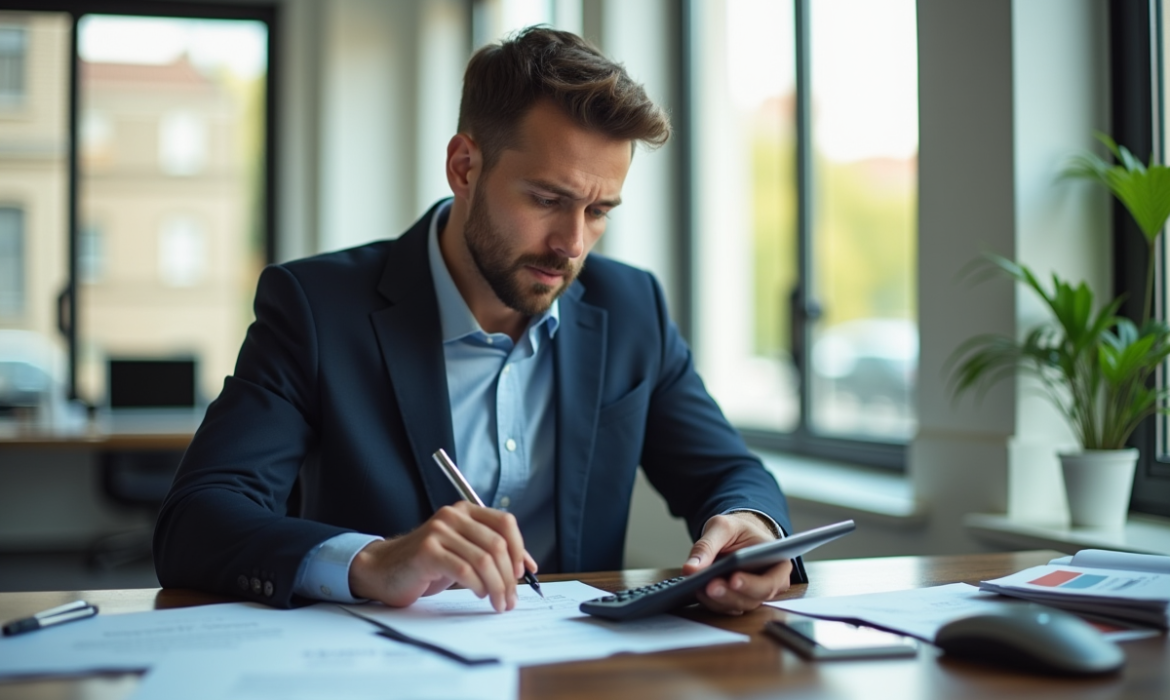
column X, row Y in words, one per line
column 504, row 421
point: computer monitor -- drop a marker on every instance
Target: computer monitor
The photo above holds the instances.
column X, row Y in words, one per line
column 152, row 384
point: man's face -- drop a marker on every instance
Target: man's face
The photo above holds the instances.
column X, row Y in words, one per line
column 538, row 212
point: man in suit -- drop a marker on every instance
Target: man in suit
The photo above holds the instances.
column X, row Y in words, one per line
column 482, row 331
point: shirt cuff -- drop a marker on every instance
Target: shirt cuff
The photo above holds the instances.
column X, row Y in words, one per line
column 777, row 531
column 324, row 572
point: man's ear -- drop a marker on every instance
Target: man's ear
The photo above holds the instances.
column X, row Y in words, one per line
column 464, row 165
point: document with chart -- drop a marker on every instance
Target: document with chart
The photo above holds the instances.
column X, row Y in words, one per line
column 1140, row 595
column 538, row 631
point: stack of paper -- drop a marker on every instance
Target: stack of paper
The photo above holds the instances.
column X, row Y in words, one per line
column 918, row 612
column 245, row 651
column 922, row 612
column 1116, row 585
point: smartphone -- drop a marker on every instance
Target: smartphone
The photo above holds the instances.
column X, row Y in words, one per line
column 831, row 639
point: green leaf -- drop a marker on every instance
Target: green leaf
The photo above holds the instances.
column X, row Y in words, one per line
column 1145, row 191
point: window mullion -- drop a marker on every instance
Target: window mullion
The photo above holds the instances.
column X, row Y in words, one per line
column 67, row 303
column 803, row 309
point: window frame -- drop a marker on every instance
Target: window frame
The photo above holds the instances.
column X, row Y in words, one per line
column 1135, row 71
column 803, row 308
column 266, row 12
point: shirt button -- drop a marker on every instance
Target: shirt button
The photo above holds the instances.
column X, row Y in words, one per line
column 507, row 368
column 489, row 340
column 326, row 591
column 511, row 445
column 505, row 502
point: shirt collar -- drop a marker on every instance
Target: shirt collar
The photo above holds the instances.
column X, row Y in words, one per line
column 455, row 317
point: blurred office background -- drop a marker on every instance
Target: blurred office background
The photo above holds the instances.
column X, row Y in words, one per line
column 154, row 155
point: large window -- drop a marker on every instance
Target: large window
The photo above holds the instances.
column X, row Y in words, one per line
column 805, row 181
column 138, row 161
column 1140, row 88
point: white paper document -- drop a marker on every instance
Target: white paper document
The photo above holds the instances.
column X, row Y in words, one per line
column 137, row 641
column 921, row 612
column 1122, row 561
column 918, row 612
column 364, row 668
column 539, row 630
column 1137, row 596
column 1076, row 582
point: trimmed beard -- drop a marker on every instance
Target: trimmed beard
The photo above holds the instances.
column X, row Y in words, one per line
column 489, row 251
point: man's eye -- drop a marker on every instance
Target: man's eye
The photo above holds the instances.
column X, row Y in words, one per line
column 544, row 201
column 598, row 213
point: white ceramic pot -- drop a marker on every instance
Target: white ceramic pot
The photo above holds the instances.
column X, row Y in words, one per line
column 1098, row 485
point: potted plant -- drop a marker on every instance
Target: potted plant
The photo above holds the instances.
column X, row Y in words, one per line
column 1097, row 368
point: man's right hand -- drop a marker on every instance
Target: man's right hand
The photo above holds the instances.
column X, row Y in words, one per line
column 479, row 548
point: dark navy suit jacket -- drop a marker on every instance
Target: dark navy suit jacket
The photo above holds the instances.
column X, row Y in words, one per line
column 341, row 382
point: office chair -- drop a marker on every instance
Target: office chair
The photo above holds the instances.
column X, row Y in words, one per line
column 143, row 391
column 136, row 480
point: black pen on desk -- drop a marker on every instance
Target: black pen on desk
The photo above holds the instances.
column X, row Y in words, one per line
column 77, row 610
column 464, row 488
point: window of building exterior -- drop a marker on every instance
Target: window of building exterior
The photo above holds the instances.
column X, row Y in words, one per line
column 182, row 251
column 805, row 128
column 91, row 254
column 12, row 263
column 13, row 56
column 182, row 143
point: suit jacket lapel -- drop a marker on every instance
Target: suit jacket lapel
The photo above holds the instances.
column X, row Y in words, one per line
column 411, row 340
column 579, row 352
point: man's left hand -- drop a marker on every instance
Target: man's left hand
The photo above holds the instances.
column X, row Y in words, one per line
column 741, row 592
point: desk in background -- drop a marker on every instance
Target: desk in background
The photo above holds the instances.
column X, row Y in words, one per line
column 758, row 669
column 142, row 432
column 54, row 488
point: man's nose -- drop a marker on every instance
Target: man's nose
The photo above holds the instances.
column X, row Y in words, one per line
column 569, row 239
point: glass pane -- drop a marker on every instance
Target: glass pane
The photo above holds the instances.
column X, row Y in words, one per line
column 865, row 135
column 746, row 208
column 34, row 135
column 1162, row 296
column 171, row 192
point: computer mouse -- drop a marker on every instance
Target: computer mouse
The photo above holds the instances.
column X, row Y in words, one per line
column 1033, row 638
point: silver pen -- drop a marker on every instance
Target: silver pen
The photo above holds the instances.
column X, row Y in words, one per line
column 77, row 610
column 464, row 488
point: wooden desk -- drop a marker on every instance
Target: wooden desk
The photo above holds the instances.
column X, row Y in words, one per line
column 162, row 433
column 758, row 669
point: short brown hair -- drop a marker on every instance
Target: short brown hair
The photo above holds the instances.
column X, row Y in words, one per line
column 503, row 81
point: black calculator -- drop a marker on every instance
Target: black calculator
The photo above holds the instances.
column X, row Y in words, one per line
column 678, row 592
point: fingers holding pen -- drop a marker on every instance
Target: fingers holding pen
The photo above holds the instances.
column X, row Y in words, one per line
column 471, row 534
column 465, row 544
